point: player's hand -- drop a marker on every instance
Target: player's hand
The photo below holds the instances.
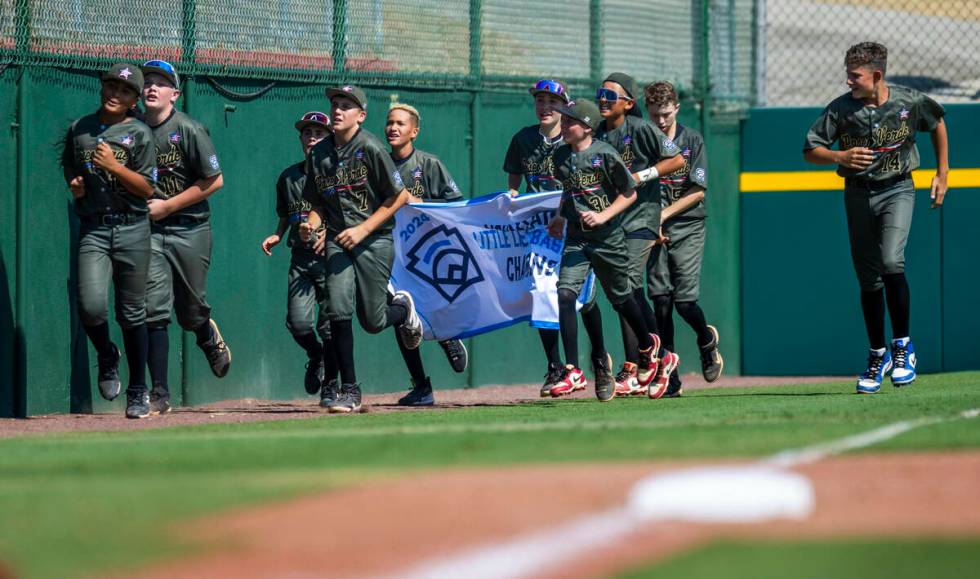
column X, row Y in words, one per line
column 158, row 209
column 938, row 190
column 593, row 219
column 857, row 158
column 77, row 186
column 661, row 238
column 306, row 231
column 556, row 227
column 514, row 192
column 412, row 199
column 105, row 158
column 270, row 242
column 351, row 237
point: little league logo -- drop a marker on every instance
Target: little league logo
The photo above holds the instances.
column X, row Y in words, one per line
column 442, row 259
column 213, row 161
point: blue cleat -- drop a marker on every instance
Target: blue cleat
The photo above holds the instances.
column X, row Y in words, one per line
column 903, row 360
column 879, row 364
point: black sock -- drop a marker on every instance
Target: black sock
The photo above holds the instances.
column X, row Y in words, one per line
column 204, row 333
column 592, row 320
column 342, row 335
column 631, row 346
column 899, row 302
column 873, row 306
column 330, row 366
column 413, row 361
column 663, row 307
column 647, row 310
column 634, row 317
column 396, row 314
column 568, row 324
column 310, row 344
column 135, row 341
column 694, row 316
column 159, row 355
column 99, row 336
column 549, row 340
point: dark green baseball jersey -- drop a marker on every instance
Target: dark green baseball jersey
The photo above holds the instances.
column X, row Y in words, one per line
column 290, row 204
column 427, row 178
column 641, row 145
column 132, row 143
column 675, row 185
column 185, row 154
column 888, row 130
column 349, row 183
column 532, row 155
column 591, row 180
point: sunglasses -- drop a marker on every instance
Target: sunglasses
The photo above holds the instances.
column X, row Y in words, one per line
column 554, row 87
column 316, row 117
column 609, row 95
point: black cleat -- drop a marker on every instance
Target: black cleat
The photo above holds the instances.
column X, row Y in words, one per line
column 159, row 400
column 329, row 392
column 419, row 395
column 605, row 384
column 217, row 352
column 456, row 354
column 712, row 363
column 109, row 384
column 674, row 388
column 551, row 379
column 137, row 402
column 348, row 400
column 313, row 380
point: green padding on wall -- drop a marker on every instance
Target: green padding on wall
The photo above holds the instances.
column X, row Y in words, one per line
column 10, row 389
column 961, row 281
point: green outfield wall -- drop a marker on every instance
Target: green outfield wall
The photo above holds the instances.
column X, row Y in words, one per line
column 47, row 363
column 800, row 298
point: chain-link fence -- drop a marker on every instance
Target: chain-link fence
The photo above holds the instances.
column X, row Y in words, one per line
column 473, row 44
column 933, row 46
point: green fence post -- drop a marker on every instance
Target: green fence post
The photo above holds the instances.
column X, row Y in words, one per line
column 595, row 40
column 339, row 37
column 476, row 85
column 20, row 299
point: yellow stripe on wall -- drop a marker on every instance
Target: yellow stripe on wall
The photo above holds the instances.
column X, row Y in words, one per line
column 829, row 181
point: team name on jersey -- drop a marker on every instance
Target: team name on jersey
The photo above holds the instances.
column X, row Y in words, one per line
column 545, row 167
column 879, row 137
column 581, row 179
column 345, row 175
column 171, row 158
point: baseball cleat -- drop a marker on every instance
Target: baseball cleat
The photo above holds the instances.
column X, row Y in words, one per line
column 159, row 400
column 626, row 380
column 649, row 362
column 879, row 364
column 572, row 380
column 217, row 352
column 419, row 395
column 329, row 392
column 903, row 362
column 109, row 384
column 551, row 379
column 712, row 364
column 313, row 380
column 605, row 385
column 456, row 354
column 348, row 400
column 137, row 402
column 668, row 365
column 411, row 328
column 674, row 388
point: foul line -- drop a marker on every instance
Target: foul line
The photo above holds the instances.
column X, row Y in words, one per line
column 531, row 554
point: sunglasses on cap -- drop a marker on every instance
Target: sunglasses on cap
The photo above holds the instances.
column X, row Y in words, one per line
column 316, row 118
column 161, row 64
column 609, row 95
column 552, row 86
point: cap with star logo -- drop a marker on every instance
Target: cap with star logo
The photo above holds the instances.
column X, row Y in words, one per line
column 354, row 93
column 128, row 74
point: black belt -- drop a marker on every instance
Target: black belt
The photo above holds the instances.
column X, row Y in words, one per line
column 111, row 219
column 181, row 220
column 874, row 184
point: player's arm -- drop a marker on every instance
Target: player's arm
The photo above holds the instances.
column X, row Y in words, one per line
column 134, row 182
column 273, row 240
column 854, row 158
column 940, row 144
column 75, row 182
column 694, row 196
column 199, row 191
column 624, row 183
column 350, row 237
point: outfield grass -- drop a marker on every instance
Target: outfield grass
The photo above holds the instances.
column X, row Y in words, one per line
column 83, row 495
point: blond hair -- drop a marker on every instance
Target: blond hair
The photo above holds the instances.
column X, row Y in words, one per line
column 408, row 109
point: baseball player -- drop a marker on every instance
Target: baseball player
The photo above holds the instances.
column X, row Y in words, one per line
column 426, row 179
column 188, row 173
column 597, row 188
column 355, row 191
column 109, row 166
column 530, row 159
column 647, row 153
column 306, row 313
column 875, row 124
column 674, row 267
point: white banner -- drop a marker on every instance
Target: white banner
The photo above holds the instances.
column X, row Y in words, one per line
column 475, row 266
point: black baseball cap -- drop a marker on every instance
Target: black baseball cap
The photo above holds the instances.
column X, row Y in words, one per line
column 583, row 111
column 629, row 87
column 350, row 91
column 164, row 69
column 126, row 73
column 313, row 118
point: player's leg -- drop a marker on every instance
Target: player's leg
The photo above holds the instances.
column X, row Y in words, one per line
column 130, row 267
column 341, row 289
column 661, row 289
column 865, row 238
column 301, row 321
column 638, row 251
column 684, row 265
column 94, row 273
column 571, row 276
column 159, row 304
column 372, row 261
column 895, row 216
column 549, row 341
column 421, row 392
column 330, row 386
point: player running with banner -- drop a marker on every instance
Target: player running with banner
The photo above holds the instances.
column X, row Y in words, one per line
column 875, row 124
column 647, row 153
column 428, row 180
column 306, row 312
column 674, row 267
column 109, row 166
column 355, row 191
column 188, row 174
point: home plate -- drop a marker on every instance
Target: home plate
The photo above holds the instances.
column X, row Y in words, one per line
column 722, row 495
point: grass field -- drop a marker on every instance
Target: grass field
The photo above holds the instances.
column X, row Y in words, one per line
column 69, row 501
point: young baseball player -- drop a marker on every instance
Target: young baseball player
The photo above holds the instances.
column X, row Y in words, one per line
column 647, row 153
column 530, row 158
column 306, row 312
column 597, row 188
column 108, row 163
column 875, row 124
column 674, row 268
column 355, row 191
column 426, row 179
column 187, row 174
